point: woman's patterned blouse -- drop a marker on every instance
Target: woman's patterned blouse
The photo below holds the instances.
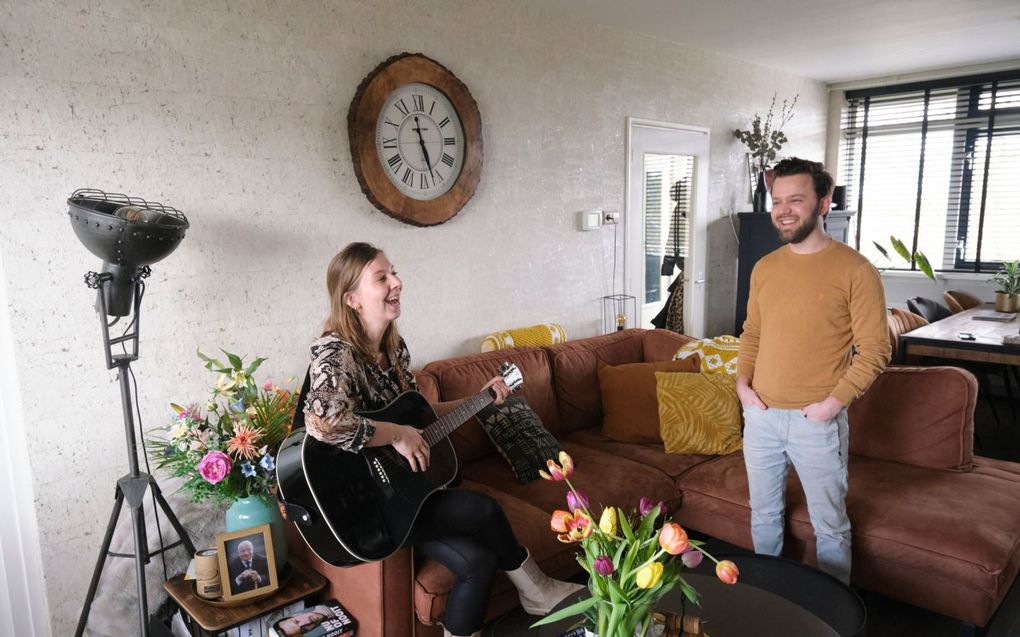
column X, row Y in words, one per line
column 342, row 382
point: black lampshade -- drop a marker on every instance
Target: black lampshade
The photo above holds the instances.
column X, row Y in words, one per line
column 126, row 233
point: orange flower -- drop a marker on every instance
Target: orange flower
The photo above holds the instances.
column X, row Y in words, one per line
column 673, row 538
column 727, row 572
column 558, row 472
column 242, row 445
column 571, row 527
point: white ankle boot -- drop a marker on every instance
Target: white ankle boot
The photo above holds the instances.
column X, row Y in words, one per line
column 539, row 593
column 447, row 633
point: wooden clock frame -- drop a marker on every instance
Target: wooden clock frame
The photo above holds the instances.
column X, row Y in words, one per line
column 361, row 124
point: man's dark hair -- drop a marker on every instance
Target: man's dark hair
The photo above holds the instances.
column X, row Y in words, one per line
column 796, row 166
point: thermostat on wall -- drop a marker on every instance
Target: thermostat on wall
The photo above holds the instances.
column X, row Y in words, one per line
column 589, row 219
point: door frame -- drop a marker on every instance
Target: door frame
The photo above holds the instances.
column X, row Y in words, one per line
column 694, row 275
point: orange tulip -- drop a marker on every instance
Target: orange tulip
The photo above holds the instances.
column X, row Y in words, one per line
column 727, row 572
column 558, row 472
column 673, row 538
column 559, row 521
column 571, row 527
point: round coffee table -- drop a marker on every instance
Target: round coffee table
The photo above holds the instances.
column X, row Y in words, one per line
column 746, row 608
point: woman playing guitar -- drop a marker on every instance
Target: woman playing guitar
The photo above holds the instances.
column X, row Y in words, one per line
column 361, row 364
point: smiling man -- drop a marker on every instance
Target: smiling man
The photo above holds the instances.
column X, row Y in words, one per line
column 814, row 339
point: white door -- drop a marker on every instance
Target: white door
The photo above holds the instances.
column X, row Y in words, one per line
column 667, row 168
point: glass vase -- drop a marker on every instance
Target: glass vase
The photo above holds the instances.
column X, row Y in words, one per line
column 252, row 511
column 760, row 194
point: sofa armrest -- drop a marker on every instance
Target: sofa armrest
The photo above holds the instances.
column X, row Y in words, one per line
column 377, row 594
column 922, row 416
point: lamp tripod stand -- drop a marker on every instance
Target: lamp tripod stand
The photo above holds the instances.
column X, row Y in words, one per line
column 132, row 486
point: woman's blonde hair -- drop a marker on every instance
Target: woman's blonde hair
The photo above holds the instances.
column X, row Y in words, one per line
column 342, row 276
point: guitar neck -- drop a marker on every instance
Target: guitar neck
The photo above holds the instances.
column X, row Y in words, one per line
column 443, row 427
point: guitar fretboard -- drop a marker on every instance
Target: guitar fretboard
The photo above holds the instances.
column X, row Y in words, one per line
column 443, row 427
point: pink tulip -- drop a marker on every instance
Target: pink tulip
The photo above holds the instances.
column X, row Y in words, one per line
column 558, row 472
column 727, row 572
column 559, row 521
column 604, row 565
column 692, row 557
column 646, row 505
column 673, row 539
column 571, row 527
column 576, row 500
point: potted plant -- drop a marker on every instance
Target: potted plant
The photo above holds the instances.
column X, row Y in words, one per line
column 1007, row 296
column 763, row 141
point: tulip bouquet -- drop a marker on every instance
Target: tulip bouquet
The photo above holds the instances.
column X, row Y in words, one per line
column 631, row 560
column 229, row 452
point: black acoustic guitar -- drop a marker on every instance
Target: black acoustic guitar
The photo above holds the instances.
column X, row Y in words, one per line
column 360, row 507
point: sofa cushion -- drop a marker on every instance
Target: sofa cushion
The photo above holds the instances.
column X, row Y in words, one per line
column 463, row 376
column 517, row 432
column 427, row 385
column 922, row 416
column 575, row 375
column 629, row 409
column 661, row 345
column 604, row 478
column 650, row 455
column 954, row 531
column 718, row 355
column 699, row 413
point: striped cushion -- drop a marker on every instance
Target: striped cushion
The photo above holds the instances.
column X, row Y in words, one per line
column 536, row 335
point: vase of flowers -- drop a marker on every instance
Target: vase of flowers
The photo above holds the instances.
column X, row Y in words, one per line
column 632, row 559
column 763, row 141
column 226, row 449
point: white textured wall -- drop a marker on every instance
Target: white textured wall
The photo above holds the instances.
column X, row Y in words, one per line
column 235, row 112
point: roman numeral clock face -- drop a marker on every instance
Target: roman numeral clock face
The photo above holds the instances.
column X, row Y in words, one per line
column 420, row 141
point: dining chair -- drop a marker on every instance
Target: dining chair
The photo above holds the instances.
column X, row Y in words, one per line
column 901, row 321
column 960, row 301
column 931, row 310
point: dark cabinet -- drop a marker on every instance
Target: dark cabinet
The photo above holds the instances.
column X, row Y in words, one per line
column 758, row 238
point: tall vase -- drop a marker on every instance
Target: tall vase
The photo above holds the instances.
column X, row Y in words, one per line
column 619, row 620
column 760, row 193
column 251, row 511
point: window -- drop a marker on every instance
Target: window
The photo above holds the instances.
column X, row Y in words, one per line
column 936, row 164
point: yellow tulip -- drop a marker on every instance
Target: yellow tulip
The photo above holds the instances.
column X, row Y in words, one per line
column 608, row 521
column 649, row 575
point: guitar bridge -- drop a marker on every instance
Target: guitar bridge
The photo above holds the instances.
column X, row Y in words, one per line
column 382, row 478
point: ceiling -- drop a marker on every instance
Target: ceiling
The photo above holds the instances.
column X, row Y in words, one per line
column 828, row 40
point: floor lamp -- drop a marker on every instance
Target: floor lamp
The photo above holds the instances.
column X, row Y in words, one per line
column 129, row 234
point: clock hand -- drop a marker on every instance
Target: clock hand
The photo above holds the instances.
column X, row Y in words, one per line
column 421, row 142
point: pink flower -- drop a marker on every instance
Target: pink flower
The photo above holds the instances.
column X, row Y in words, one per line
column 558, row 472
column 727, row 572
column 604, row 565
column 576, row 500
column 214, row 466
column 673, row 539
column 268, row 385
column 646, row 505
column 692, row 557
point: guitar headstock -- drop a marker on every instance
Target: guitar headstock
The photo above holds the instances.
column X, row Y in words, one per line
column 511, row 376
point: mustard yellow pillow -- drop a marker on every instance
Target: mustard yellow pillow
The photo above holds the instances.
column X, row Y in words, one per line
column 718, row 355
column 699, row 413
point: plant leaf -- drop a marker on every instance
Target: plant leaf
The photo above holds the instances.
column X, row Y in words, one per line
column 900, row 248
column 569, row 611
column 881, row 248
column 923, row 265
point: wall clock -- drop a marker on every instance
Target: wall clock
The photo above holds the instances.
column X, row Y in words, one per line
column 416, row 140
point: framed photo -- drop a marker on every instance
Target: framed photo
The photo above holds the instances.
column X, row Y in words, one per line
column 247, row 565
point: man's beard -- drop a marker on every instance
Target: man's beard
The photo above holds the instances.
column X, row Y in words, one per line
column 802, row 231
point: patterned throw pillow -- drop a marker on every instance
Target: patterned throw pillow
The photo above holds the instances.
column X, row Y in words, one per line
column 718, row 355
column 518, row 433
column 699, row 413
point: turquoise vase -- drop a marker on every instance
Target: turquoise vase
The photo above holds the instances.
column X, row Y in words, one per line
column 251, row 511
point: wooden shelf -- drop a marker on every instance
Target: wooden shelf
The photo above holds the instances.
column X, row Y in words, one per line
column 301, row 583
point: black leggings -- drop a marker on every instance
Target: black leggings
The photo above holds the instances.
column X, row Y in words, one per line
column 467, row 532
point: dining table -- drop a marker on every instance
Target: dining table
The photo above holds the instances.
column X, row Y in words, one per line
column 970, row 335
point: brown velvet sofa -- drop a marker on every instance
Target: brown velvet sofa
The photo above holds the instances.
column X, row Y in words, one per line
column 932, row 524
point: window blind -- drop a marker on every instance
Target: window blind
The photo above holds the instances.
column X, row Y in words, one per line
column 936, row 165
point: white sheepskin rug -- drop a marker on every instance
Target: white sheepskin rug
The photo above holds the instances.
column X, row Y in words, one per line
column 115, row 608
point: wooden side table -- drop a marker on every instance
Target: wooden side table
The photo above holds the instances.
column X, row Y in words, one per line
column 214, row 619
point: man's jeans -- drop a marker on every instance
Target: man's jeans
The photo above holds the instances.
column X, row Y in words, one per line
column 775, row 438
